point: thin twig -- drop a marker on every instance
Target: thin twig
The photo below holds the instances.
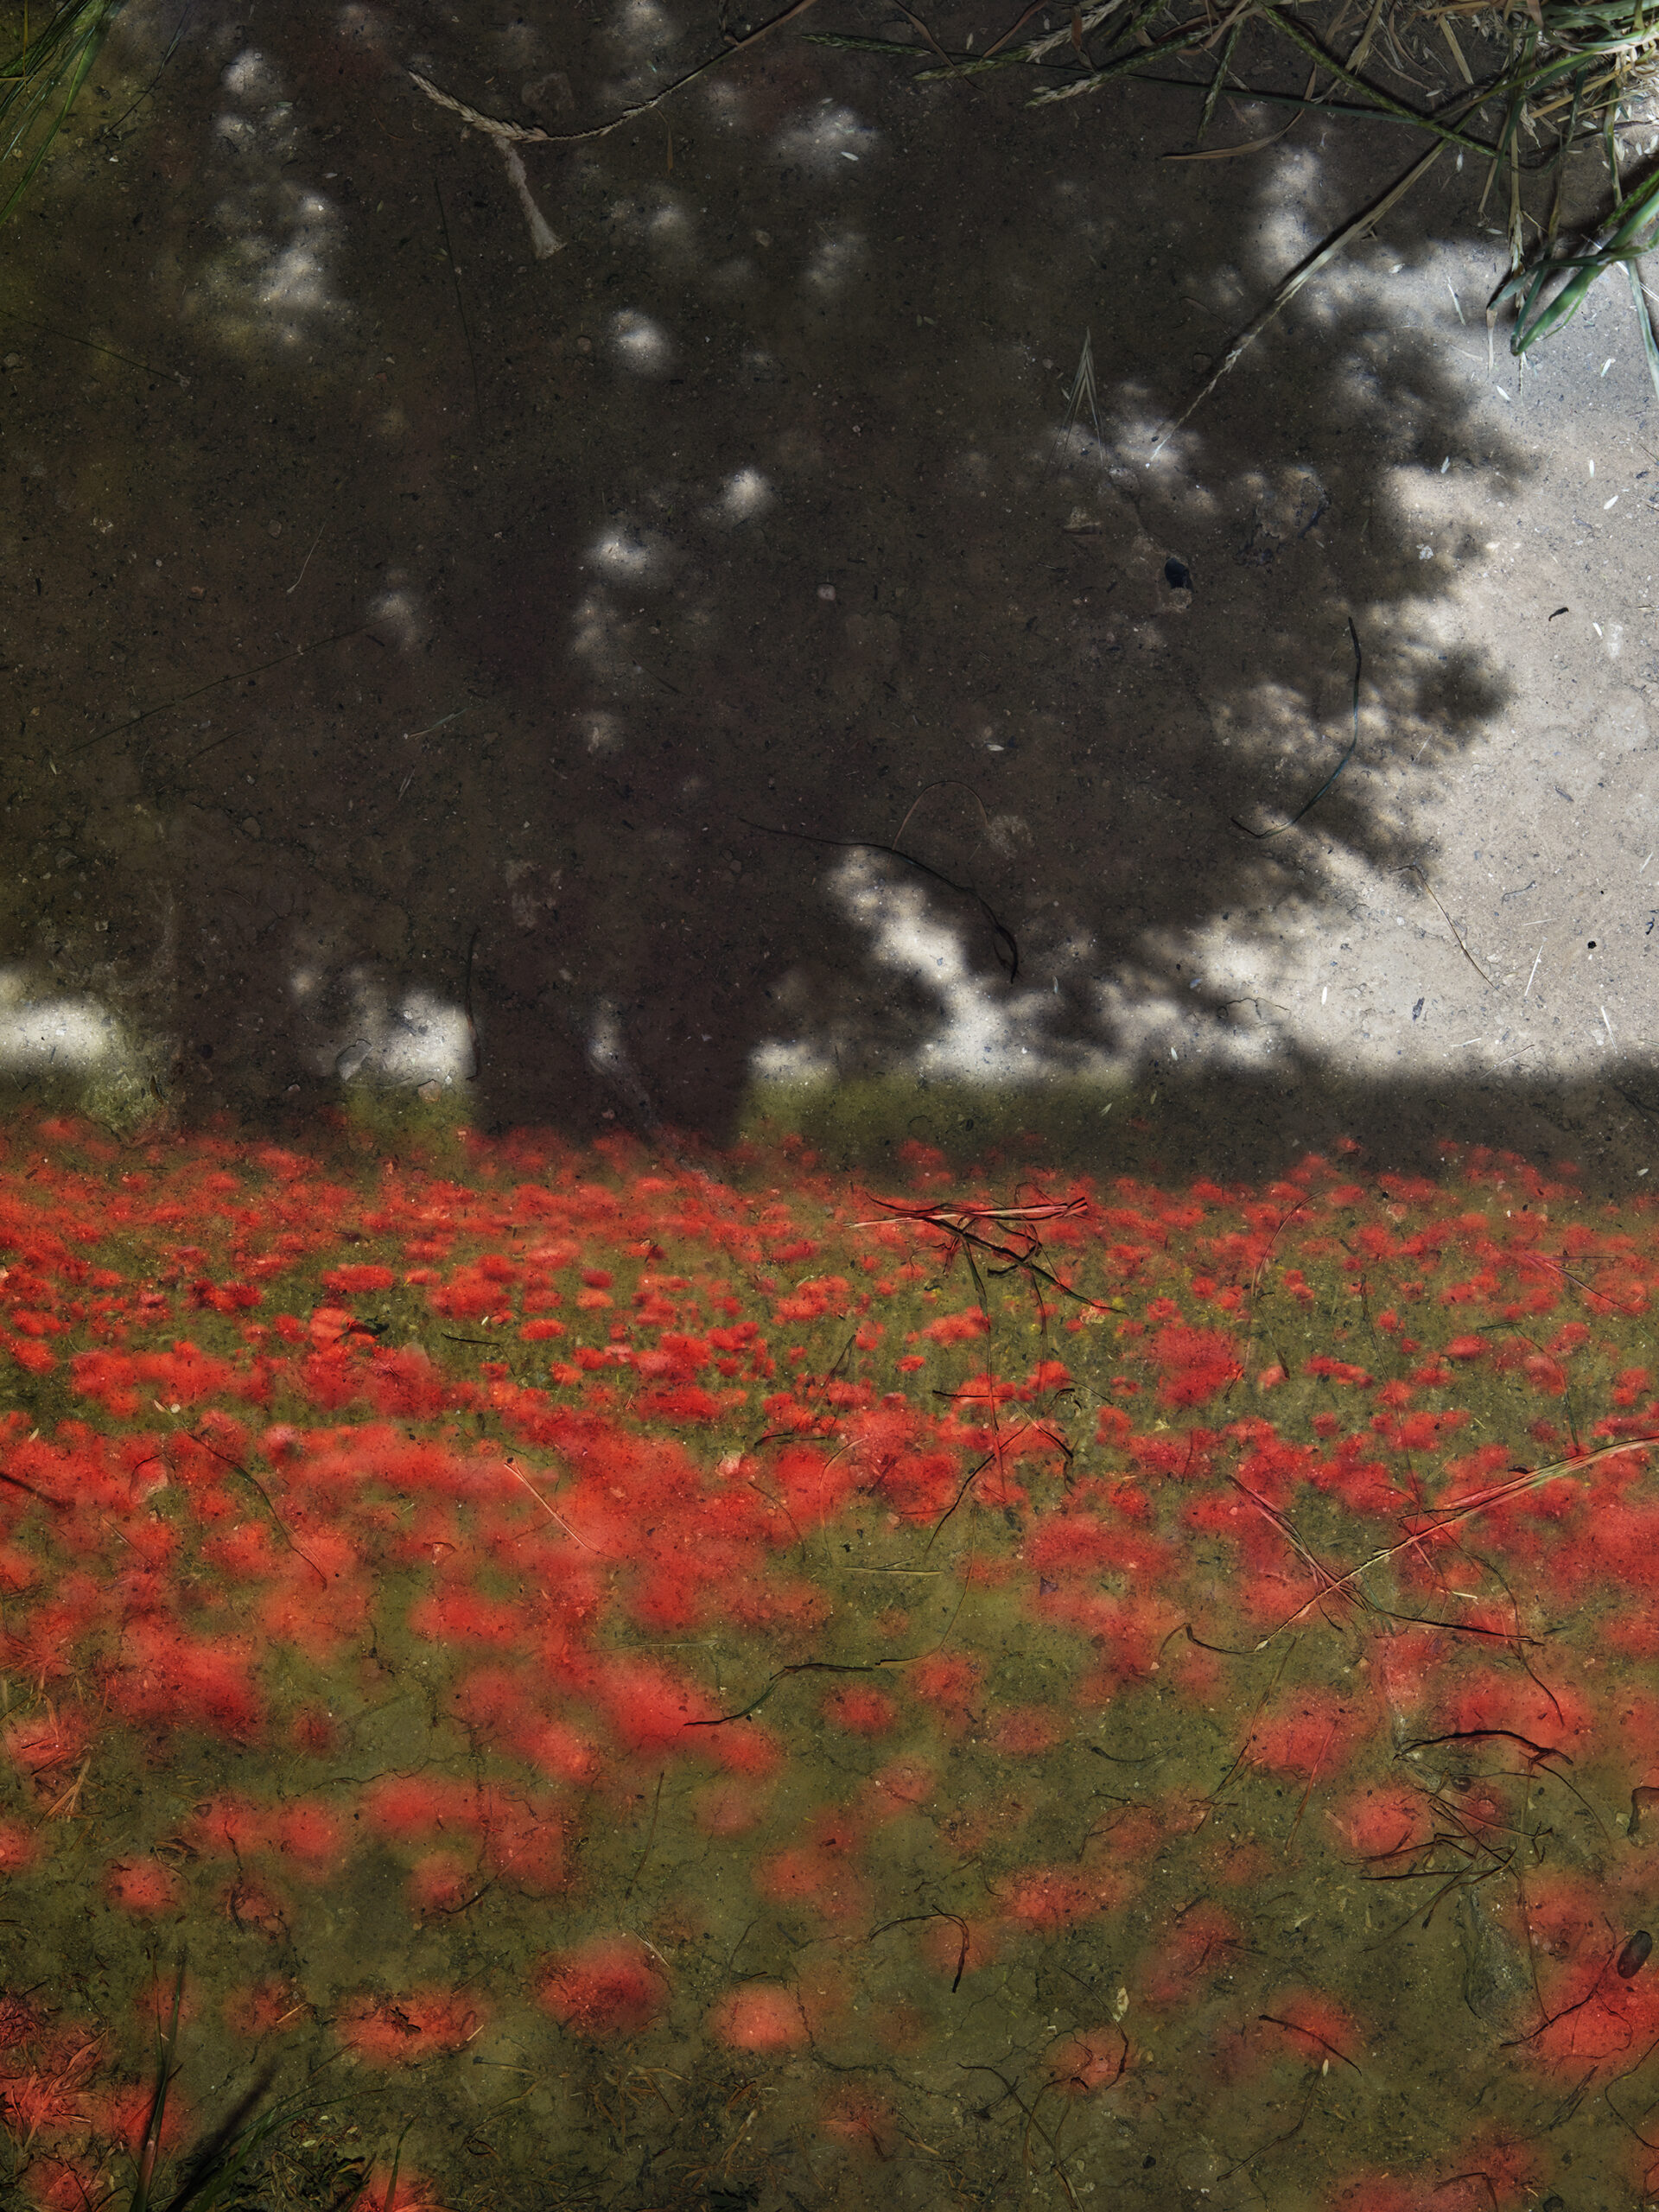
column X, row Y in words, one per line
column 518, row 134
column 1447, row 1518
column 235, row 676
column 461, row 306
column 547, row 1509
column 1413, row 869
column 306, row 563
column 1307, row 805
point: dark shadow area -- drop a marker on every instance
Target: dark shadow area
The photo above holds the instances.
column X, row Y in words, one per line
column 417, row 646
column 1247, row 1129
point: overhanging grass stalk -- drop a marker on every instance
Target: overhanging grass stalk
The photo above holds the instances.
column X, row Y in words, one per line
column 1583, row 58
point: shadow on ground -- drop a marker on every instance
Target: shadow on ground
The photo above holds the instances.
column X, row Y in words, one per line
column 433, row 663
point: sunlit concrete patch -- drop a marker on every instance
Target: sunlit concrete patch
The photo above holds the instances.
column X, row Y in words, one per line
column 630, row 553
column 69, row 1035
column 253, row 81
column 733, row 279
column 1269, row 726
column 1292, row 214
column 662, row 219
column 1225, row 1019
column 357, row 25
column 970, row 474
column 1287, row 503
column 395, row 1041
column 532, row 892
column 271, row 287
column 745, row 496
column 826, row 143
column 835, row 262
column 78, row 1046
column 982, row 1030
column 602, row 640
column 368, row 1031
column 787, row 1061
column 727, row 104
column 600, row 732
column 1465, row 960
column 394, row 616
column 1140, row 433
column 640, row 344
column 1145, row 1015
column 1369, row 969
column 643, row 25
column 668, row 225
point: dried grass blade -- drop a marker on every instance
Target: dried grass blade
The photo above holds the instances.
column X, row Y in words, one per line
column 1632, row 269
column 1081, row 394
column 1447, row 34
column 1250, row 145
column 1560, row 166
column 917, row 24
column 1002, row 56
column 1361, row 46
column 1517, row 235
column 1040, row 49
column 1293, row 283
column 1128, row 65
column 1013, row 31
column 1249, row 93
column 1413, row 869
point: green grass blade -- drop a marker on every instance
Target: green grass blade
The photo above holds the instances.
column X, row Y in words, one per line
column 210, row 2186
column 1531, row 79
column 1621, row 241
column 58, row 60
column 1644, row 323
column 152, row 2142
column 898, row 47
column 1216, row 83
column 1290, row 28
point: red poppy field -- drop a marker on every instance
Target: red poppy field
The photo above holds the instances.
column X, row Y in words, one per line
column 538, row 1676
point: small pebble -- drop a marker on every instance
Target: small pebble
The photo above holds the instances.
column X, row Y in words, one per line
column 826, row 591
column 1635, row 1954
